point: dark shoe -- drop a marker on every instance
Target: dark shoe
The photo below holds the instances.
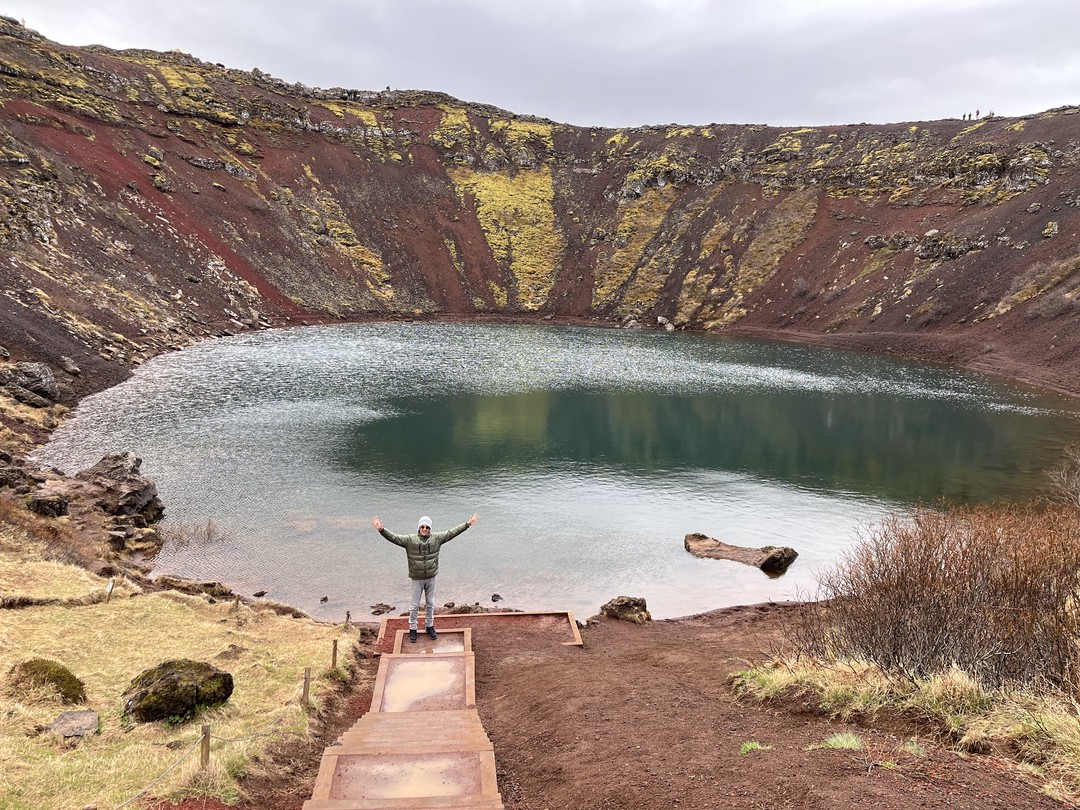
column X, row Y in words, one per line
column 412, row 635
column 431, row 632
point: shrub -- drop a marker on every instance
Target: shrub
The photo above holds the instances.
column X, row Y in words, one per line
column 42, row 673
column 1065, row 479
column 990, row 590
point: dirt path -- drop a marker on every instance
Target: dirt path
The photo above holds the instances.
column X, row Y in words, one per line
column 644, row 718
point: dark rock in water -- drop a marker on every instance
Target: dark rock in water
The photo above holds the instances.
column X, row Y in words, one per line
column 449, row 605
column 325, row 599
column 773, row 560
column 381, row 608
column 176, row 690
column 81, row 723
column 496, row 597
column 47, row 505
column 259, row 594
column 627, row 609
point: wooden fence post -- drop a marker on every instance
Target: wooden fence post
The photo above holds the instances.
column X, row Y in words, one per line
column 109, row 590
column 307, row 685
column 205, row 746
column 348, row 618
column 333, row 656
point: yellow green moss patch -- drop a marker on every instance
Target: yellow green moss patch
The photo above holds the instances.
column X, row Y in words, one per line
column 781, row 231
column 968, row 130
column 346, row 110
column 1038, row 279
column 617, row 140
column 639, row 220
column 715, row 236
column 517, row 217
column 650, row 171
column 498, row 293
column 454, row 128
column 524, row 133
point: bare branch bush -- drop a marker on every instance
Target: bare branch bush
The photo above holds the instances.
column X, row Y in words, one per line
column 991, row 590
column 1065, row 479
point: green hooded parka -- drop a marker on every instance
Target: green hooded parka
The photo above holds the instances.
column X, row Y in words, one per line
column 423, row 552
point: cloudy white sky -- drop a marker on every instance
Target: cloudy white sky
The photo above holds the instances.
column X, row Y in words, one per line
column 628, row 62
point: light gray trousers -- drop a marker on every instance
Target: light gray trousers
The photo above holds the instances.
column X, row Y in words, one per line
column 426, row 587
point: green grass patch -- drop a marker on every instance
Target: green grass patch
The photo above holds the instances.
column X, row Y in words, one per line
column 750, row 746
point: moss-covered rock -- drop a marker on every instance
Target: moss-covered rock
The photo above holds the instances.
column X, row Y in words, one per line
column 627, row 609
column 176, row 691
column 48, row 674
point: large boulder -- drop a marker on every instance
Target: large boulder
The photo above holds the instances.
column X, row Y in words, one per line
column 121, row 488
column 627, row 609
column 33, row 384
column 773, row 560
column 14, row 477
column 39, row 378
column 176, row 690
column 48, row 505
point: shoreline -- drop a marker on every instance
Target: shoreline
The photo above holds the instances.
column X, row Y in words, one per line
column 956, row 354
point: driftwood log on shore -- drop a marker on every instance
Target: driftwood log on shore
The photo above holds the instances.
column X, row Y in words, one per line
column 773, row 560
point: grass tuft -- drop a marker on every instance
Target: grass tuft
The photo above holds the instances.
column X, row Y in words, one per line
column 843, row 741
column 751, row 746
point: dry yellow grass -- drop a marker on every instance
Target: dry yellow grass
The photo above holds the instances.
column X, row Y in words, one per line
column 1040, row 731
column 30, row 580
column 107, row 646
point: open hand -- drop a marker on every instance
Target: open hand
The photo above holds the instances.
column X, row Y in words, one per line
column 473, row 519
column 378, row 523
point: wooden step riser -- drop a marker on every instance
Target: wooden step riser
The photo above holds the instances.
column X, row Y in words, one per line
column 463, row 803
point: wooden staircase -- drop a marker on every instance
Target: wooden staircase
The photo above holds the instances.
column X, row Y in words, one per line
column 421, row 745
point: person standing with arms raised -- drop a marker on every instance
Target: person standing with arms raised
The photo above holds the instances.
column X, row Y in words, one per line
column 422, row 550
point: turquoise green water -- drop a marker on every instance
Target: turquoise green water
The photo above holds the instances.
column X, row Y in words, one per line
column 588, row 454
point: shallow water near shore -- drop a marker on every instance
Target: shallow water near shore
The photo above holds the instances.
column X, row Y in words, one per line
column 588, row 453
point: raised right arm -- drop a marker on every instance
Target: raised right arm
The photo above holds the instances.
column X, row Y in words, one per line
column 396, row 539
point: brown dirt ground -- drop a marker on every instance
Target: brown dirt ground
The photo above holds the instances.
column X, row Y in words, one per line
column 644, row 718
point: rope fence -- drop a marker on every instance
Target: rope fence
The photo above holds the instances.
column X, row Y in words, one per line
column 164, row 773
column 203, row 741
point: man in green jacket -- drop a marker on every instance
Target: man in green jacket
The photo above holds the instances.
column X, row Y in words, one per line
column 422, row 549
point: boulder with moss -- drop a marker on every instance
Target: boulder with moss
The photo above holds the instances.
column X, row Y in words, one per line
column 176, row 691
column 627, row 609
column 38, row 673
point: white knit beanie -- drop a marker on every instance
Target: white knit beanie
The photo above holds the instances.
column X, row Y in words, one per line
column 424, row 521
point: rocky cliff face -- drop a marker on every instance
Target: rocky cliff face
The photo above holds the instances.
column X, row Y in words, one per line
column 150, row 199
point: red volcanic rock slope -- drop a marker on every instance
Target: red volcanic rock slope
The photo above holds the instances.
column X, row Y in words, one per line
column 151, row 199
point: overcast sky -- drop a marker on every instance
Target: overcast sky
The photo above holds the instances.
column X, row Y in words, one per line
column 628, row 62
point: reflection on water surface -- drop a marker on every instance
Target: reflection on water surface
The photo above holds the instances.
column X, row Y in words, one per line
column 588, row 454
